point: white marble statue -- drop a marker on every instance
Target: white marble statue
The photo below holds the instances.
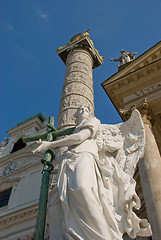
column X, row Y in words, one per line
column 4, row 142
column 124, row 58
column 95, row 192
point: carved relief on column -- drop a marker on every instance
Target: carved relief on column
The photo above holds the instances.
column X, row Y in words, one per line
column 78, row 86
column 71, row 95
column 78, row 77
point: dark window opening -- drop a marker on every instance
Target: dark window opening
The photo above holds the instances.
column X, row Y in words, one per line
column 4, row 197
column 18, row 145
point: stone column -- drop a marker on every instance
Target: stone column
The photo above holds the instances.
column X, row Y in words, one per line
column 80, row 57
column 150, row 174
column 78, row 86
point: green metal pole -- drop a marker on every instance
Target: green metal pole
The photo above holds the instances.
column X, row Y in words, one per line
column 51, row 135
column 47, row 168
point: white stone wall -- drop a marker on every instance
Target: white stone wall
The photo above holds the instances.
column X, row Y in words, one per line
column 18, row 218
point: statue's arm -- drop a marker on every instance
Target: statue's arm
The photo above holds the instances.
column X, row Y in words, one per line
column 73, row 139
column 116, row 59
column 132, row 55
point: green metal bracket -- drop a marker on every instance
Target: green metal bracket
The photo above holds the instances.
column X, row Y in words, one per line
column 49, row 156
column 43, row 136
column 49, row 162
column 47, row 168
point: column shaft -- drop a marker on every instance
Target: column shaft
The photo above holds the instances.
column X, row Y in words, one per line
column 150, row 173
column 78, row 86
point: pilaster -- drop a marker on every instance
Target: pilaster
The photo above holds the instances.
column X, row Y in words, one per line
column 150, row 169
column 150, row 174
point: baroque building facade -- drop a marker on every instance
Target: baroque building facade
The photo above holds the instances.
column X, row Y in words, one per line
column 20, row 177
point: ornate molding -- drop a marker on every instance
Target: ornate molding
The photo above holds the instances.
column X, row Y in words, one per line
column 146, row 113
column 135, row 76
column 9, row 182
column 22, row 160
column 119, row 83
column 18, row 216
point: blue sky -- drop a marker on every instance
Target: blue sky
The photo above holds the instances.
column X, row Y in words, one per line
column 31, row 72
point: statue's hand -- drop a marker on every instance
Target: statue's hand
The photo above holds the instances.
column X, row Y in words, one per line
column 43, row 146
column 111, row 59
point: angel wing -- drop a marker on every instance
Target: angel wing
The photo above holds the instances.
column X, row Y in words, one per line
column 125, row 141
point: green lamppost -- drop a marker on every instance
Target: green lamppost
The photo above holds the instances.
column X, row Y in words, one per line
column 50, row 135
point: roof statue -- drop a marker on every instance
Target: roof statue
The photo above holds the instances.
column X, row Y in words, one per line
column 3, row 143
column 125, row 57
column 95, row 193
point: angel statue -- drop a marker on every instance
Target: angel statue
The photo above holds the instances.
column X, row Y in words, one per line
column 95, row 192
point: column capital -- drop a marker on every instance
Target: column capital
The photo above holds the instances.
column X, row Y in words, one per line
column 83, row 41
column 144, row 109
column 146, row 113
column 126, row 112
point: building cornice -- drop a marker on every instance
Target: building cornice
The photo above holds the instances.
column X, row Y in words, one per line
column 146, row 82
column 150, row 56
column 148, row 71
column 24, row 127
column 18, row 216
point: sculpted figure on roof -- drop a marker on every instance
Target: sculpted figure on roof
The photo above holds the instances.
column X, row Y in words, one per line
column 124, row 58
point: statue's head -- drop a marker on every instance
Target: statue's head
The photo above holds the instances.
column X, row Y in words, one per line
column 122, row 51
column 82, row 112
